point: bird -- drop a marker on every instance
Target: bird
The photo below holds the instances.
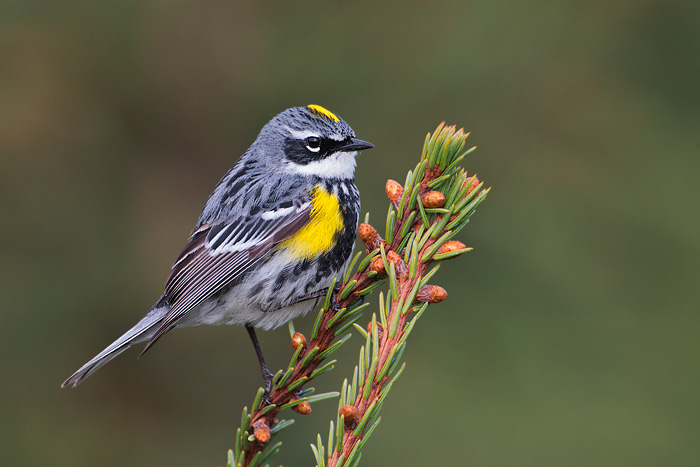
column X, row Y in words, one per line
column 277, row 229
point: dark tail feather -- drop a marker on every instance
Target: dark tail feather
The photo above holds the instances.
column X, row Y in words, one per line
column 142, row 331
column 155, row 335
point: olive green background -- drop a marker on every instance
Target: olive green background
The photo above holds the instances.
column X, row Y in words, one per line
column 570, row 336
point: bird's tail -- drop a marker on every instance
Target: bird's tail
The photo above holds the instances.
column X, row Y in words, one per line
column 142, row 331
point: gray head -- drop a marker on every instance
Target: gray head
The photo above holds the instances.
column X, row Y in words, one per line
column 314, row 140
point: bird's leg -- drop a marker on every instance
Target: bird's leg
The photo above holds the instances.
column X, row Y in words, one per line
column 334, row 304
column 267, row 376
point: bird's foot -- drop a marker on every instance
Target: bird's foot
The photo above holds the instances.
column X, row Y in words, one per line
column 267, row 378
column 334, row 302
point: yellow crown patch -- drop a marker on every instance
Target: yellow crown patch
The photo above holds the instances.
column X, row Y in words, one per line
column 321, row 111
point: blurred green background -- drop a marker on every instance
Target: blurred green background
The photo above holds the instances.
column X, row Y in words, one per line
column 570, row 336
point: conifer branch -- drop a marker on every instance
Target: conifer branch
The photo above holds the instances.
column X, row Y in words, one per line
column 435, row 203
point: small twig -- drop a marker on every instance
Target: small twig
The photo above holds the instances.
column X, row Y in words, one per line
column 387, row 342
column 435, row 204
column 307, row 360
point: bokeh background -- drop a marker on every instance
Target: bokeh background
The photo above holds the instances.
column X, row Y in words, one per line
column 570, row 336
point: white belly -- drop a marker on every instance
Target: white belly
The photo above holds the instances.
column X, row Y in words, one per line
column 259, row 299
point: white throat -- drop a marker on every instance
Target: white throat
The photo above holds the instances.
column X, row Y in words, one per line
column 339, row 165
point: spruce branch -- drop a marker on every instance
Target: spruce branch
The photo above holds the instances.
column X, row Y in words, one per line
column 434, row 204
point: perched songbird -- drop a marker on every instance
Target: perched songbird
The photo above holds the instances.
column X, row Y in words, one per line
column 277, row 229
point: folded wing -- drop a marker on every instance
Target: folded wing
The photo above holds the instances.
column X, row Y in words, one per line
column 217, row 254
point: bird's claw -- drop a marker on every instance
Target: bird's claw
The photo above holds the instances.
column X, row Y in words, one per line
column 266, row 398
column 267, row 378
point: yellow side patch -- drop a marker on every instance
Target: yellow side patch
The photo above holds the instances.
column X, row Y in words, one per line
column 317, row 109
column 318, row 235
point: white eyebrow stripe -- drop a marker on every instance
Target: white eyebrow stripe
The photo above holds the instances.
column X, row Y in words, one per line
column 302, row 134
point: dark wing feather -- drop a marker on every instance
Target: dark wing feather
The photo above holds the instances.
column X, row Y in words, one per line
column 217, row 254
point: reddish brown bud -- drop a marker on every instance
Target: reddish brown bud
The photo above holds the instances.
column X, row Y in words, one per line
column 369, row 236
column 472, row 187
column 394, row 191
column 262, row 432
column 366, row 232
column 451, row 246
column 433, row 199
column 431, row 294
column 393, row 257
column 350, row 414
column 431, row 173
column 298, row 340
column 378, row 266
column 399, row 265
column 369, row 327
column 303, row 408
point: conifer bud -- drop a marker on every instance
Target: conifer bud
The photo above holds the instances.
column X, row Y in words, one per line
column 472, row 187
column 369, row 327
column 304, row 408
column 433, row 199
column 393, row 257
column 399, row 265
column 262, row 433
column 350, row 414
column 298, row 340
column 368, row 235
column 431, row 294
column 394, row 191
column 378, row 266
column 451, row 246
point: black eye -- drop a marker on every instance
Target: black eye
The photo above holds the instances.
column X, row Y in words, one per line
column 313, row 143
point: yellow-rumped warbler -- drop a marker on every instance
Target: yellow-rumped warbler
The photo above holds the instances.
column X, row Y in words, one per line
column 277, row 229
